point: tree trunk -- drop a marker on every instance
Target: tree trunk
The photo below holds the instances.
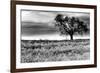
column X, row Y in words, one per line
column 71, row 37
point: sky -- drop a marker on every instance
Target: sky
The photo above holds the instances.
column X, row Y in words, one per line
column 40, row 24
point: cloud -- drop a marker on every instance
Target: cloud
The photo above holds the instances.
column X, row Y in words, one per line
column 36, row 16
column 38, row 29
column 47, row 16
column 42, row 22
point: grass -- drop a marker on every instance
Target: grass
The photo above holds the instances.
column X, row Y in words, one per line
column 46, row 51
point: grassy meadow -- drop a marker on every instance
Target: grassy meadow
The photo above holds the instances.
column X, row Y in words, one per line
column 54, row 50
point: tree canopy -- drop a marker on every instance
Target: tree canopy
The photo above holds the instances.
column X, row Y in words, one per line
column 70, row 25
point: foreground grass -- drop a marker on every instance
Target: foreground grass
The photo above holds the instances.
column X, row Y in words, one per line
column 44, row 51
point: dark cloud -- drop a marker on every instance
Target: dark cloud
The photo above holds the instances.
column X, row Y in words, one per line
column 29, row 29
column 85, row 19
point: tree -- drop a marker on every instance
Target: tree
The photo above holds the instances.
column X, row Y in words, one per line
column 69, row 25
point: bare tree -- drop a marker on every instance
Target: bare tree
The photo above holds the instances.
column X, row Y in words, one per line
column 69, row 25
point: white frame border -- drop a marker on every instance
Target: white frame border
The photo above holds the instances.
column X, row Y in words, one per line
column 52, row 64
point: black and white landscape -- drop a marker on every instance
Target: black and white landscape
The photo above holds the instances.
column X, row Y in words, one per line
column 49, row 36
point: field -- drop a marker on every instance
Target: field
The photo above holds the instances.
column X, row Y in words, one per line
column 62, row 50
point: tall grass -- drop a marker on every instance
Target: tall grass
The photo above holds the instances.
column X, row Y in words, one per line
column 45, row 50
